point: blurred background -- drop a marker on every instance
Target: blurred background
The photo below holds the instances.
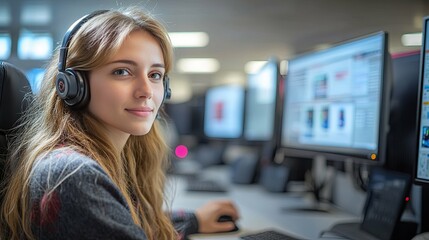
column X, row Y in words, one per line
column 234, row 35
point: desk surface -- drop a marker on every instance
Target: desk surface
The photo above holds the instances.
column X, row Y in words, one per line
column 259, row 209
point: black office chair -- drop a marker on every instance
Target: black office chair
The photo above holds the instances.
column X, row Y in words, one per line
column 14, row 87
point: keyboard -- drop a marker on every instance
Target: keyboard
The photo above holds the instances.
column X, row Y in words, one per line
column 268, row 235
column 205, row 186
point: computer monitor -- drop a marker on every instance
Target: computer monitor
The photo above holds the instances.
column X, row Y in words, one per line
column 26, row 42
column 223, row 113
column 421, row 163
column 421, row 169
column 260, row 113
column 336, row 102
column 336, row 107
column 5, row 46
column 402, row 136
column 261, row 118
column 181, row 115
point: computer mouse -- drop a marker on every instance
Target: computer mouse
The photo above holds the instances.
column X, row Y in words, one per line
column 227, row 218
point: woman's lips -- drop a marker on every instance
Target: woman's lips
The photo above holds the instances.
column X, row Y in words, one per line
column 140, row 112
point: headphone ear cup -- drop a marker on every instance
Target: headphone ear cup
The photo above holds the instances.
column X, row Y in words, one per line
column 72, row 88
column 65, row 85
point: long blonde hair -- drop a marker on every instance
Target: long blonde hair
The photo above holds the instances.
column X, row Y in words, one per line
column 139, row 170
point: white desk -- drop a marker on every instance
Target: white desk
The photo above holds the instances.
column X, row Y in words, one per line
column 259, row 209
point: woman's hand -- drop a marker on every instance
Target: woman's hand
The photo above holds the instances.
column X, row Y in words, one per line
column 209, row 213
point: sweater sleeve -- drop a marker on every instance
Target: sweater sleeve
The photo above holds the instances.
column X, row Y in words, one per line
column 185, row 223
column 71, row 197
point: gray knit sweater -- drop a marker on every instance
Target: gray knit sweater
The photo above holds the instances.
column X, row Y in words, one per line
column 72, row 197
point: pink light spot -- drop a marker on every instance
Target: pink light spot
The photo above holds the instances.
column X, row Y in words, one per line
column 181, row 151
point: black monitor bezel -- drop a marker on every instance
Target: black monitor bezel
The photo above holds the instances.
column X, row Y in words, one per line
column 423, row 49
column 347, row 154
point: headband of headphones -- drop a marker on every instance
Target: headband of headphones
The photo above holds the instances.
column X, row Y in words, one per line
column 69, row 34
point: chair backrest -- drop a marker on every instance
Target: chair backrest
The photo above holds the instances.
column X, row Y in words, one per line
column 14, row 87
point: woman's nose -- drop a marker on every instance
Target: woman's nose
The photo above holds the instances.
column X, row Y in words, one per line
column 143, row 88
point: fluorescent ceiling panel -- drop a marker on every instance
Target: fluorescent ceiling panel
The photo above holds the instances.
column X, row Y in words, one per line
column 197, row 65
column 412, row 39
column 189, row 39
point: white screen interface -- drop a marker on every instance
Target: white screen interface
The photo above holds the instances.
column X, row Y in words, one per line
column 223, row 113
column 333, row 97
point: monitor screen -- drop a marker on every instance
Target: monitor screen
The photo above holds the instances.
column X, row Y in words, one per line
column 5, row 46
column 223, row 113
column 336, row 102
column 35, row 77
column 35, row 46
column 421, row 171
column 260, row 105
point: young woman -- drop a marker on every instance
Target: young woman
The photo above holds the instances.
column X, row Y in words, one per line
column 90, row 160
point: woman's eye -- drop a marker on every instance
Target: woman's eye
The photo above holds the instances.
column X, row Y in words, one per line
column 121, row 72
column 156, row 76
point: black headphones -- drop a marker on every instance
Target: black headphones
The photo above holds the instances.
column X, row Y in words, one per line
column 71, row 85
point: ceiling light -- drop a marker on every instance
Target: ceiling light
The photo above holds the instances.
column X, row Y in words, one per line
column 412, row 39
column 198, row 65
column 253, row 66
column 189, row 39
column 322, row 46
column 284, row 67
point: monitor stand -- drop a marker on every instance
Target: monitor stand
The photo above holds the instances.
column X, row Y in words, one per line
column 320, row 179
